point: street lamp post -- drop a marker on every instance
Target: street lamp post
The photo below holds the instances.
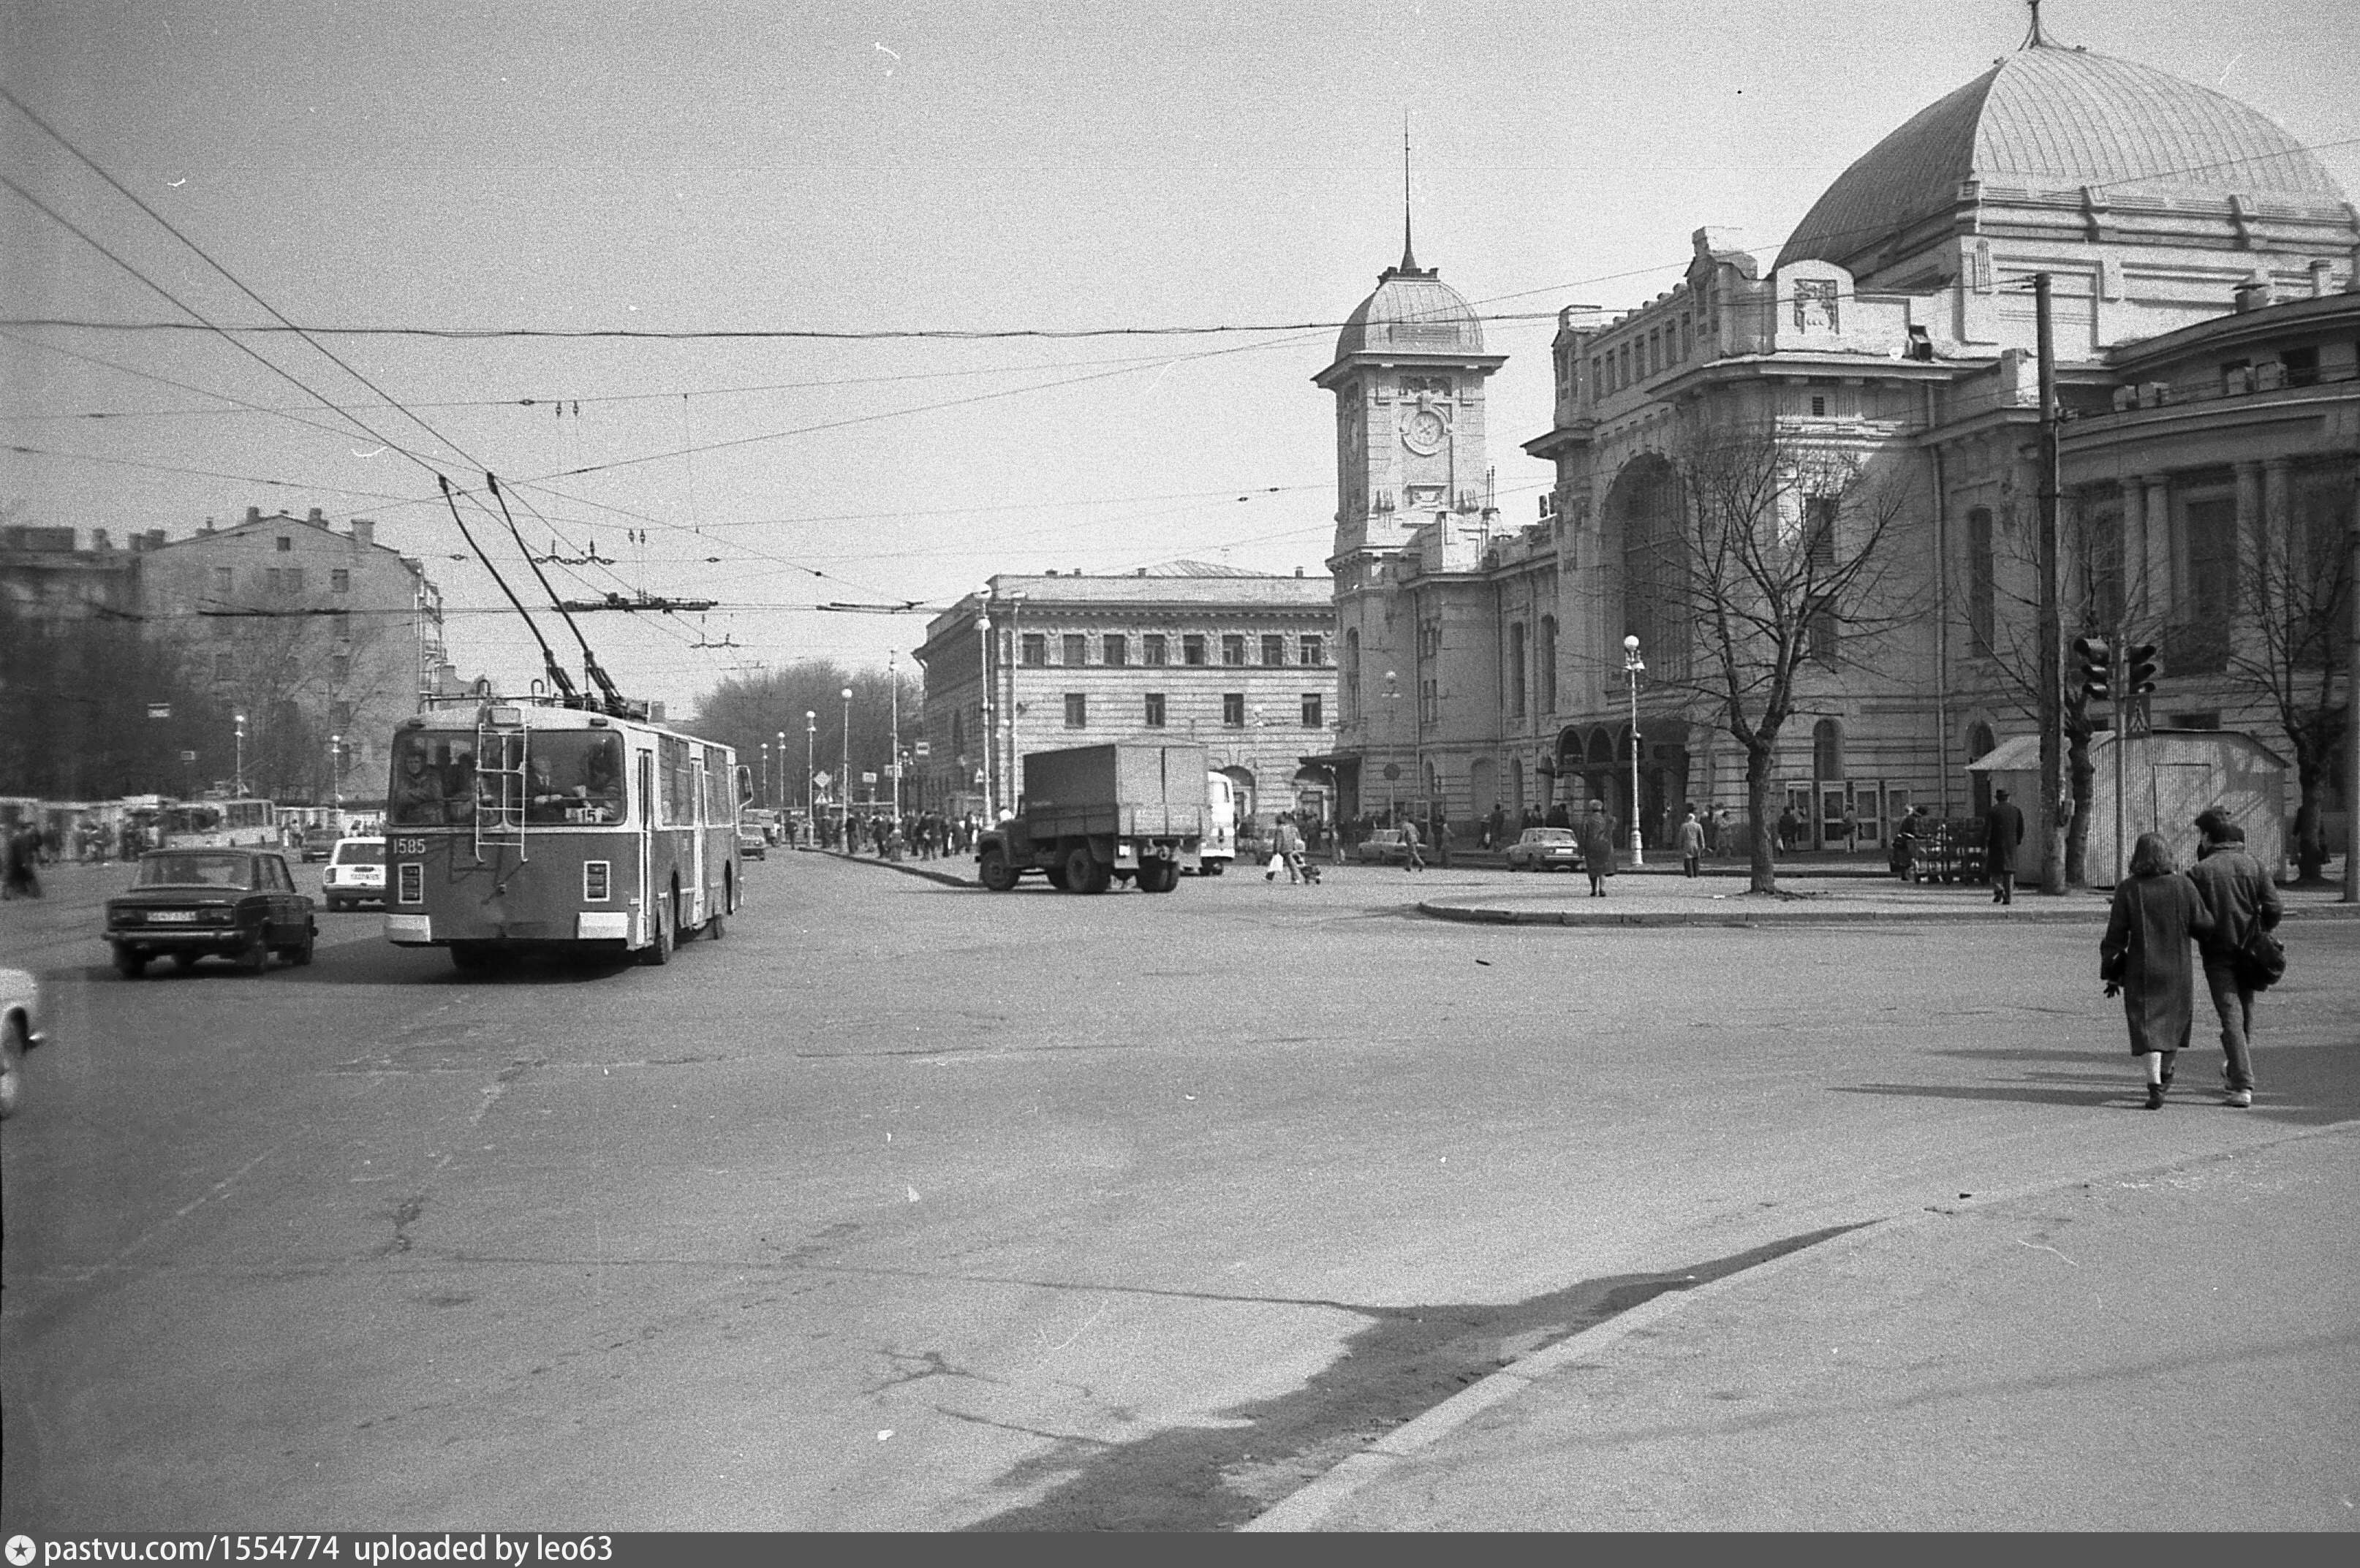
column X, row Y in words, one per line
column 766, row 773
column 844, row 782
column 238, row 770
column 894, row 721
column 811, row 769
column 1393, row 740
column 1632, row 667
column 336, row 777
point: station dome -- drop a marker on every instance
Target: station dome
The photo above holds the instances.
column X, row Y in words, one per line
column 2053, row 118
column 1413, row 311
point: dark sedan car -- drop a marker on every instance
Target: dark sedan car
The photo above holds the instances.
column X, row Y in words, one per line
column 186, row 903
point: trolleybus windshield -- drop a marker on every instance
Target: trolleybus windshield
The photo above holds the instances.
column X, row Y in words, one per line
column 571, row 776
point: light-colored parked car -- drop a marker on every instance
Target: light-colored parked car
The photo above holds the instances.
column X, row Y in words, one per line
column 1545, row 849
column 355, row 874
column 1384, row 846
column 20, row 1030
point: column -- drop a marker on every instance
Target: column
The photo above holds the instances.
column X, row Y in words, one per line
column 2152, row 494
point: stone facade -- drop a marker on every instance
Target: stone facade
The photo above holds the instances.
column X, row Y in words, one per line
column 315, row 633
column 1243, row 663
column 2202, row 268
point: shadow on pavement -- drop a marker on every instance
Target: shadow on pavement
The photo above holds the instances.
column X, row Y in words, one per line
column 2298, row 1085
column 1406, row 1361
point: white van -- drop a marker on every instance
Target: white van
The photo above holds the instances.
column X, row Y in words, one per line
column 1220, row 846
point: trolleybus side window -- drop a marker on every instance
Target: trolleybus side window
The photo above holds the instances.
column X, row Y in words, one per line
column 676, row 783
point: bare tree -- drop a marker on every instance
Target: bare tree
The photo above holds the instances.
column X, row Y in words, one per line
column 1781, row 567
column 746, row 710
column 298, row 676
column 2297, row 582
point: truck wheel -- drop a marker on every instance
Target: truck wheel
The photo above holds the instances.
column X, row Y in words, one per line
column 994, row 872
column 1084, row 874
column 1055, row 873
column 1159, row 876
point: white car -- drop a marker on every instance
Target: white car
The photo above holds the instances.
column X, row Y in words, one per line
column 354, row 873
column 20, row 1015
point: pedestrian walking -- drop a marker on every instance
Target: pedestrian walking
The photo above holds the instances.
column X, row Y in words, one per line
column 1286, row 850
column 2144, row 956
column 1691, row 842
column 1789, row 825
column 2241, row 899
column 2003, row 836
column 1851, row 829
column 19, row 880
column 1413, row 858
column 1597, row 836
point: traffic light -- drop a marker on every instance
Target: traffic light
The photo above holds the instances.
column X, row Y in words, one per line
column 2140, row 669
column 2097, row 657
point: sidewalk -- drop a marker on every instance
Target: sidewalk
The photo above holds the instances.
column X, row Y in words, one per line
column 2176, row 1349
column 1805, row 897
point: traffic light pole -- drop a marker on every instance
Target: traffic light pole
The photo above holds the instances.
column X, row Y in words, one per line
column 2052, row 631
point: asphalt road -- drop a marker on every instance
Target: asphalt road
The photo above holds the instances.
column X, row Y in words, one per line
column 908, row 1207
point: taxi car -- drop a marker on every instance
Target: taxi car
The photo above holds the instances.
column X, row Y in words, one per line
column 185, row 903
column 1545, row 849
column 355, row 874
column 20, row 1030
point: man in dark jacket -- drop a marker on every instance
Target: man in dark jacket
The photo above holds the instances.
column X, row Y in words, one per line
column 2241, row 896
column 2003, row 836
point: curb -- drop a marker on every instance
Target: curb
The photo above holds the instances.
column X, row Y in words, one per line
column 1307, row 1506
column 907, row 868
column 1802, row 915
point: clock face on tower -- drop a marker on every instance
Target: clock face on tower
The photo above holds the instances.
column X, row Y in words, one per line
column 1424, row 432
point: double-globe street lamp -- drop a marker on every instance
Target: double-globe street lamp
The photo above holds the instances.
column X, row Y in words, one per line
column 811, row 766
column 1632, row 666
column 844, row 781
column 238, row 767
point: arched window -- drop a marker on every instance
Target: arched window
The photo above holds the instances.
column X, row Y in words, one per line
column 1644, row 506
column 1982, row 611
column 1826, row 751
column 1548, row 664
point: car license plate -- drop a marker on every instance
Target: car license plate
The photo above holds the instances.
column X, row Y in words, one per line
column 184, row 916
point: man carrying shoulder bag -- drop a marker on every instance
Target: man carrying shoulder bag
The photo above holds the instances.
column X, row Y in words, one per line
column 2240, row 957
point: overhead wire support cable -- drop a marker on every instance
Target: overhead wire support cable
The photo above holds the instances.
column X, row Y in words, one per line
column 589, row 661
column 548, row 656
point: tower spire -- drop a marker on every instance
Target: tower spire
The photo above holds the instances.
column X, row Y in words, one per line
column 1409, row 256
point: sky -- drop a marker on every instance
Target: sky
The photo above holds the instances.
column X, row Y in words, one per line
column 697, row 169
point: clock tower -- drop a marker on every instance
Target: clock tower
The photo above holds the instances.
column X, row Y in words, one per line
column 1408, row 378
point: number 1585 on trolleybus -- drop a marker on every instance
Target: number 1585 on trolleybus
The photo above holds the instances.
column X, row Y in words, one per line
column 517, row 827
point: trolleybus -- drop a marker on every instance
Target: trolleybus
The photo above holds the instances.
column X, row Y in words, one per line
column 220, row 825
column 516, row 826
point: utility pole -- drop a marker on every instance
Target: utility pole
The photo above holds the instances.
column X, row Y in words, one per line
column 2052, row 631
column 2351, row 707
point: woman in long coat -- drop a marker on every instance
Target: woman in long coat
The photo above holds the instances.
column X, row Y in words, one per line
column 2144, row 956
column 1596, row 832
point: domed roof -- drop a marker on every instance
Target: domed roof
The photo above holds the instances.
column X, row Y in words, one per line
column 2059, row 118
column 1413, row 311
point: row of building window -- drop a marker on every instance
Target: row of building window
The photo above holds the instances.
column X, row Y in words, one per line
column 1640, row 357
column 281, row 580
column 1153, row 711
column 1156, row 650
